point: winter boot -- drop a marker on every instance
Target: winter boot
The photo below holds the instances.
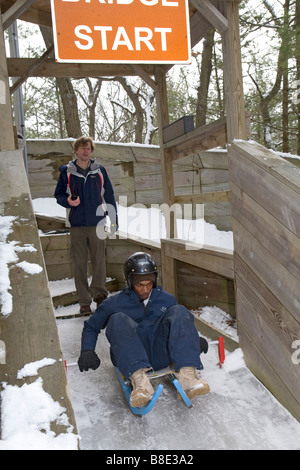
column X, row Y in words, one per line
column 191, row 383
column 142, row 389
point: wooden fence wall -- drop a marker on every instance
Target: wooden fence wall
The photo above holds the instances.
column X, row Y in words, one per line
column 135, row 171
column 265, row 197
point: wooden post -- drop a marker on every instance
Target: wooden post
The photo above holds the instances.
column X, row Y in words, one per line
column 168, row 264
column 7, row 141
column 233, row 76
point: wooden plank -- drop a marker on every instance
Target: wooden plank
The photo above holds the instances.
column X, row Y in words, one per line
column 56, row 242
column 213, row 176
column 217, row 159
column 267, row 305
column 18, row 66
column 268, row 161
column 56, row 272
column 57, row 257
column 119, row 153
column 16, row 10
column 265, row 373
column 119, row 254
column 209, row 289
column 37, row 64
column 217, row 260
column 233, row 74
column 283, row 244
column 217, row 196
column 283, row 284
column 199, row 27
column 7, row 141
column 211, row 14
column 282, row 203
column 202, row 138
column 35, row 15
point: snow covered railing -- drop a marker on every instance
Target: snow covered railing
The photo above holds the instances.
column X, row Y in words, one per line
column 28, row 330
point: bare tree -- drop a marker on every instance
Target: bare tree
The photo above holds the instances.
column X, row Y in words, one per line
column 67, row 94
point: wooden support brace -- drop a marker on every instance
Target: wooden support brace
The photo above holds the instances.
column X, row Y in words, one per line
column 15, row 11
column 35, row 66
column 211, row 14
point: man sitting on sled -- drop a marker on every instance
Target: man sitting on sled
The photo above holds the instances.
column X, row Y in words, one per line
column 147, row 329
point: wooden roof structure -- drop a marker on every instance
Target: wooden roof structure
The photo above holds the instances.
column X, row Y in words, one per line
column 204, row 15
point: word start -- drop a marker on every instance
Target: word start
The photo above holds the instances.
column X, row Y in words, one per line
column 121, row 38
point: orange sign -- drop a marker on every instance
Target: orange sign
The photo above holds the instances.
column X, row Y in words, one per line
column 121, row 31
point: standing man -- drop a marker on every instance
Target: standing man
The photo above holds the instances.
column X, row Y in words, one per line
column 85, row 190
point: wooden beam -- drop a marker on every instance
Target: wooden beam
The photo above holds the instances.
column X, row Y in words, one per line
column 216, row 260
column 211, row 14
column 15, row 11
column 199, row 27
column 168, row 264
column 50, row 68
column 32, row 69
column 216, row 196
column 163, row 118
column 233, row 76
column 202, row 138
column 34, row 14
column 145, row 76
column 7, row 141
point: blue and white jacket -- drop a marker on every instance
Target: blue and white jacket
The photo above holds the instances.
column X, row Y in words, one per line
column 95, row 192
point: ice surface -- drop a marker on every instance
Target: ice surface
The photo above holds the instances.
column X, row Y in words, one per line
column 238, row 413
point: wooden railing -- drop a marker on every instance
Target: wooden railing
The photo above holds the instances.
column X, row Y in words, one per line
column 265, row 197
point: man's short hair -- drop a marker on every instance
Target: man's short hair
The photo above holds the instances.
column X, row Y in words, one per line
column 82, row 142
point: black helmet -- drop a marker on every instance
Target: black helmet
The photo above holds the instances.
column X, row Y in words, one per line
column 139, row 263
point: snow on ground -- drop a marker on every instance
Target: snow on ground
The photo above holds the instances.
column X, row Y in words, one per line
column 27, row 413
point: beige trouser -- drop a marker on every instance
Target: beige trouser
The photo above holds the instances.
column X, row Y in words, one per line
column 84, row 240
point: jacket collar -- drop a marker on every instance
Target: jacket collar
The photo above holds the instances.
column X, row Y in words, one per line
column 132, row 294
column 71, row 166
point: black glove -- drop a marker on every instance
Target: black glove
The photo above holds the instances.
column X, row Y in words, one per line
column 88, row 360
column 203, row 345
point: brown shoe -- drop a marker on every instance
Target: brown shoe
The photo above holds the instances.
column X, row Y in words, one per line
column 85, row 309
column 191, row 383
column 99, row 299
column 142, row 389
